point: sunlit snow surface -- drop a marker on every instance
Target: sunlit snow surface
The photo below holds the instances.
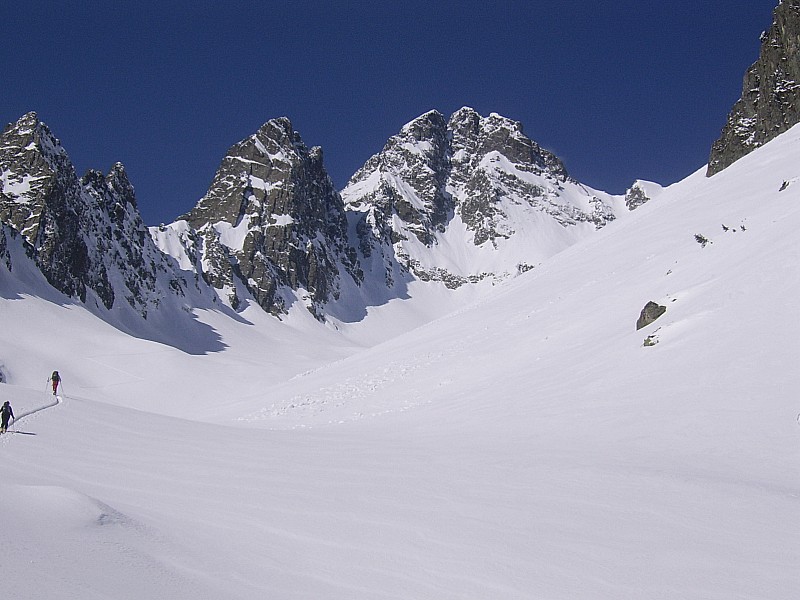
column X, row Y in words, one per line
column 526, row 446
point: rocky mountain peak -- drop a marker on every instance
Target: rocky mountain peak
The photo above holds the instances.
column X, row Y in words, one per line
column 82, row 234
column 29, row 126
column 419, row 143
column 273, row 138
column 478, row 136
column 279, row 129
column 117, row 181
column 31, row 150
column 770, row 101
column 425, row 126
column 271, row 224
column 475, row 175
column 451, row 200
column 28, row 121
column 38, row 182
column 253, row 174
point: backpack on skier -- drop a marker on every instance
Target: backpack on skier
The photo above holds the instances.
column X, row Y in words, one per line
column 56, row 379
column 5, row 414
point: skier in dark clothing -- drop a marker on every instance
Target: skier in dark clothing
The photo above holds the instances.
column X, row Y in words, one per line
column 56, row 379
column 6, row 413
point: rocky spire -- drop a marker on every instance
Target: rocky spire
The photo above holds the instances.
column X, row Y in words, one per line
column 84, row 233
column 273, row 223
column 770, row 102
column 37, row 176
column 41, row 199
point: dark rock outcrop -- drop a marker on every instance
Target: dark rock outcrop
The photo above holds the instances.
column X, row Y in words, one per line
column 770, row 102
column 272, row 224
column 635, row 196
column 650, row 313
column 85, row 235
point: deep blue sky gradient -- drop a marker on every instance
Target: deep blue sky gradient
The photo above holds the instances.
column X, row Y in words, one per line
column 619, row 90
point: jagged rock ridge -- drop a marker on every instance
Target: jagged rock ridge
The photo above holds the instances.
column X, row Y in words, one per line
column 453, row 201
column 474, row 182
column 770, row 102
column 272, row 225
column 85, row 235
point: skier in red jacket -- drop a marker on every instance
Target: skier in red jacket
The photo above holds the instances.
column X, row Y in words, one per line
column 56, row 379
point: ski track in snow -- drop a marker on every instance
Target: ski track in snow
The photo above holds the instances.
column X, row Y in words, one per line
column 19, row 416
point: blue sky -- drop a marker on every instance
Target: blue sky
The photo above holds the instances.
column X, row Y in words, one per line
column 619, row 90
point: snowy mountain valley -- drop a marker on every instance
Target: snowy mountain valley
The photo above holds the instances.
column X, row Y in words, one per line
column 528, row 445
column 466, row 375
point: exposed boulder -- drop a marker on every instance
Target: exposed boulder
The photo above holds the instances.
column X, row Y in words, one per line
column 640, row 193
column 650, row 313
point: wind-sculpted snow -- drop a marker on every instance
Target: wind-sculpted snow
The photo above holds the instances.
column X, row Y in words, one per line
column 68, row 527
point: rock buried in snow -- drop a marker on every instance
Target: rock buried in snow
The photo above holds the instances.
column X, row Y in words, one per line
column 650, row 340
column 650, row 313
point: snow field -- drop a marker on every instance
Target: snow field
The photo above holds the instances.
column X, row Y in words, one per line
column 525, row 446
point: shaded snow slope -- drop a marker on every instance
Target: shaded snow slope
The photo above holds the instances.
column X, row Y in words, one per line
column 528, row 446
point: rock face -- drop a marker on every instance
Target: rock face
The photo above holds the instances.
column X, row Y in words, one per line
column 418, row 157
column 479, row 182
column 472, row 181
column 5, row 257
column 85, row 235
column 452, row 201
column 273, row 228
column 770, row 102
column 271, row 225
column 650, row 313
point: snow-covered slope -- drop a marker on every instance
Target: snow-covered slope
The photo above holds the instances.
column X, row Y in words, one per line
column 528, row 446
